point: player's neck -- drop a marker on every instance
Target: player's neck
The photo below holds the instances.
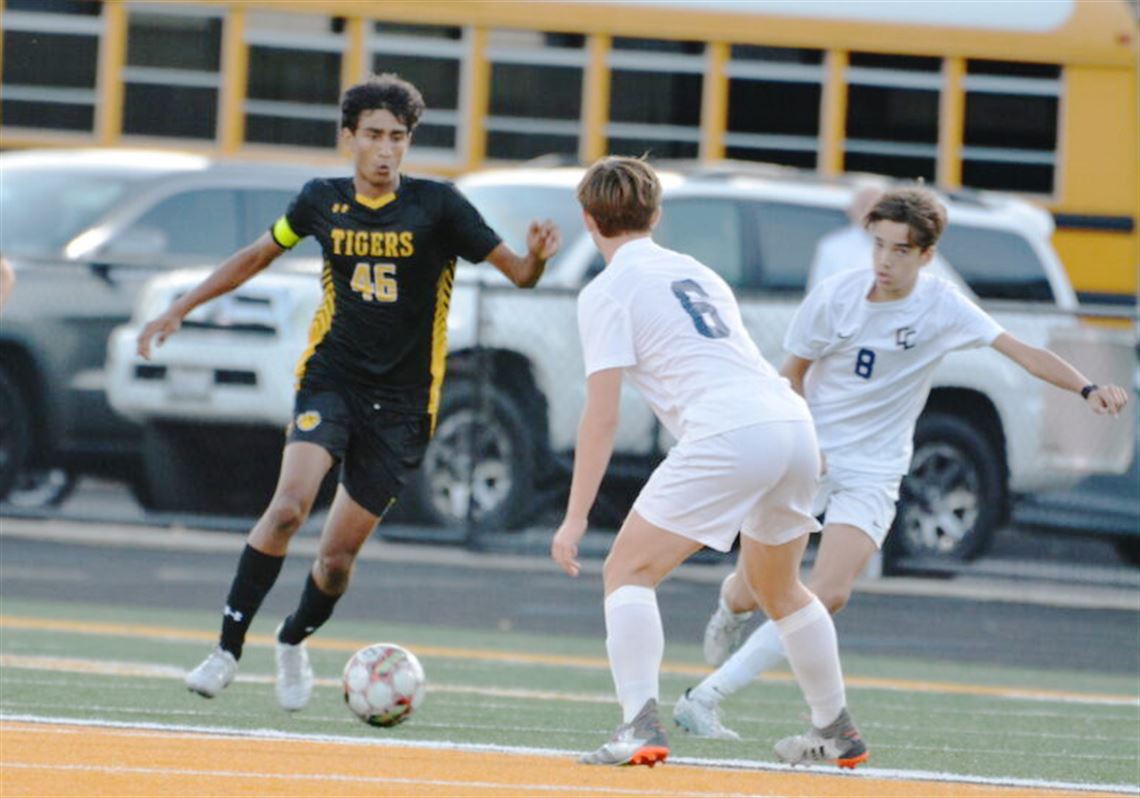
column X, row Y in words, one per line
column 609, row 246
column 880, row 294
column 371, row 190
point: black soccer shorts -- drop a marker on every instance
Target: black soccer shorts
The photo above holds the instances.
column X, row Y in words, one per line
column 377, row 447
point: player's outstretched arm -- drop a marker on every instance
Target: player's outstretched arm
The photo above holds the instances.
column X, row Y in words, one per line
column 542, row 241
column 238, row 268
column 596, row 433
column 1051, row 368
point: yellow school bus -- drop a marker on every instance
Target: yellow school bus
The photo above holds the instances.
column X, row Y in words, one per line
column 1038, row 98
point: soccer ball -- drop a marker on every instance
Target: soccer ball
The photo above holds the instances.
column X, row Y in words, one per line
column 383, row 684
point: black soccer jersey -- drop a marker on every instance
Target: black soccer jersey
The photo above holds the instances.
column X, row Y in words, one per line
column 389, row 265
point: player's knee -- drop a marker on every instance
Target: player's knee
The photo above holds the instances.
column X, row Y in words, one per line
column 336, row 570
column 286, row 513
column 834, row 597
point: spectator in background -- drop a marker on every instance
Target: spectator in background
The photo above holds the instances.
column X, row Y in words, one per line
column 850, row 246
column 7, row 280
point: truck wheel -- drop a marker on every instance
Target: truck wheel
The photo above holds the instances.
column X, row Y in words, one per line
column 950, row 503
column 15, row 433
column 480, row 462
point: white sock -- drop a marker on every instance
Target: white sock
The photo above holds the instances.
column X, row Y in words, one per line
column 760, row 652
column 635, row 642
column 808, row 635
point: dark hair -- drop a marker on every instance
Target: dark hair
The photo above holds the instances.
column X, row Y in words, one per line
column 389, row 92
column 917, row 208
column 622, row 194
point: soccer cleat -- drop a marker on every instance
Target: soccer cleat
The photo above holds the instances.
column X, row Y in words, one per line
column 294, row 675
column 840, row 742
column 642, row 741
column 701, row 717
column 723, row 632
column 213, row 674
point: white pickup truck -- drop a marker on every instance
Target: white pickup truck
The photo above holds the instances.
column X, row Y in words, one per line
column 515, row 388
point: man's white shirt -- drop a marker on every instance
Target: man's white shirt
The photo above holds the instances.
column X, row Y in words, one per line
column 674, row 326
column 874, row 361
column 841, row 250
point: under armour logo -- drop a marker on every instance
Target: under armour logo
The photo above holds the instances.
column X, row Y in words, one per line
column 232, row 613
column 904, row 337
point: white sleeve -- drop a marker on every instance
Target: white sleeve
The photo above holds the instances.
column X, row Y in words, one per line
column 969, row 326
column 809, row 334
column 606, row 332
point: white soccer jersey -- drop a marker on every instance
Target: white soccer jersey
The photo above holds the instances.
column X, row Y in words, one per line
column 674, row 326
column 874, row 362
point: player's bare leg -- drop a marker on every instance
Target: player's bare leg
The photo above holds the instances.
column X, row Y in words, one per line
column 303, row 467
column 642, row 555
column 346, row 528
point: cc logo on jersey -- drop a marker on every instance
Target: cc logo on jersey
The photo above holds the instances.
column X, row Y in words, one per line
column 308, row 421
column 904, row 337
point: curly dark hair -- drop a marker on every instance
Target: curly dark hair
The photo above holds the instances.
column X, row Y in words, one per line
column 916, row 207
column 389, row 92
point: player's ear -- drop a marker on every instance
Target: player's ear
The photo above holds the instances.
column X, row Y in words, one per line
column 656, row 218
column 927, row 255
column 345, row 136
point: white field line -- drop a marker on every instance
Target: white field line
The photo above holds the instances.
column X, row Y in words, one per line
column 590, row 663
column 459, row 784
column 167, row 730
column 168, row 672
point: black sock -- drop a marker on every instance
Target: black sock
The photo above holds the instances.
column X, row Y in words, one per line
column 256, row 573
column 315, row 608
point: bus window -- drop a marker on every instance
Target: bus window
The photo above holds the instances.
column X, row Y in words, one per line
column 996, row 264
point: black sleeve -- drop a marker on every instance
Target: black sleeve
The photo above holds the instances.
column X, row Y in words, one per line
column 298, row 220
column 470, row 237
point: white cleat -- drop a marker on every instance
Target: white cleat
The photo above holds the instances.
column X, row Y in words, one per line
column 840, row 743
column 701, row 718
column 294, row 675
column 213, row 674
column 723, row 632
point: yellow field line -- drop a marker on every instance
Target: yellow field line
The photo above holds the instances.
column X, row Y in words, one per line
column 529, row 658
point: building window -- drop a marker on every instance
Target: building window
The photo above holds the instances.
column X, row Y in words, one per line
column 535, row 94
column 172, row 73
column 774, row 104
column 1010, row 138
column 50, row 65
column 431, row 57
column 293, row 94
column 892, row 115
column 655, row 97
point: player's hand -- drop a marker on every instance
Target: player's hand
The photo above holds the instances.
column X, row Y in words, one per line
column 1107, row 399
column 543, row 239
column 158, row 330
column 564, row 546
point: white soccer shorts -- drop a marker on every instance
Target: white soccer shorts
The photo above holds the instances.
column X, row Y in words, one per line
column 758, row 480
column 864, row 501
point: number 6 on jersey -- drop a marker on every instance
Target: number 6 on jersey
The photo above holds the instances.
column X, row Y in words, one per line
column 375, row 281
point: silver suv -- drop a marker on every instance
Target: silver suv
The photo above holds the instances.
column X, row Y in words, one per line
column 84, row 230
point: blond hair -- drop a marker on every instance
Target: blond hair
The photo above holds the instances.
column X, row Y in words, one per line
column 621, row 194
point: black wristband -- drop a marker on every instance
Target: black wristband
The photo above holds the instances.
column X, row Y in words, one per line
column 1092, row 386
